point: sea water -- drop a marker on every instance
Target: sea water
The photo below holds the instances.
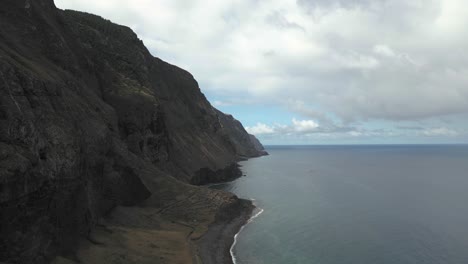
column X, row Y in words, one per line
column 397, row 204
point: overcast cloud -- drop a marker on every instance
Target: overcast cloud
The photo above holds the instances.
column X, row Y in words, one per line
column 335, row 63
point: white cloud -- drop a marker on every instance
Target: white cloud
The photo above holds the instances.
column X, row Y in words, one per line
column 296, row 127
column 304, row 125
column 218, row 103
column 440, row 131
column 355, row 133
column 304, row 130
column 260, row 129
column 384, row 50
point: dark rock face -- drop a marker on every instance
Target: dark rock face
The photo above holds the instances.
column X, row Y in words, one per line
column 257, row 145
column 244, row 145
column 206, row 175
column 84, row 108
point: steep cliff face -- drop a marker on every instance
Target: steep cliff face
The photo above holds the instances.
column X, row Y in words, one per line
column 163, row 116
column 258, row 145
column 245, row 145
column 90, row 121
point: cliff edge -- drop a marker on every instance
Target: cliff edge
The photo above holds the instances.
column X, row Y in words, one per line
column 101, row 145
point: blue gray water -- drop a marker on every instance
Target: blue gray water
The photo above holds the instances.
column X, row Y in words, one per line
column 356, row 205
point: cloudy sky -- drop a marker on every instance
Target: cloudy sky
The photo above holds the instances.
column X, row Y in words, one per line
column 316, row 71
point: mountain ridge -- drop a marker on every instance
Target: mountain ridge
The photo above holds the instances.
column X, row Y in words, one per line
column 97, row 134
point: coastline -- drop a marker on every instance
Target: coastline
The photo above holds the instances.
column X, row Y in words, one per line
column 231, row 250
column 216, row 244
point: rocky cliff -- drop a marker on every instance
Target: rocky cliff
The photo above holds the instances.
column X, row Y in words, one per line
column 95, row 133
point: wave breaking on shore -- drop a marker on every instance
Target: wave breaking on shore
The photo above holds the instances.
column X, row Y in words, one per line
column 258, row 212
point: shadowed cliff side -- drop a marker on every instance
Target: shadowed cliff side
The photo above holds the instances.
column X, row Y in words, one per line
column 97, row 134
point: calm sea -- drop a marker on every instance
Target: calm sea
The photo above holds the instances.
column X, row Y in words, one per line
column 356, row 205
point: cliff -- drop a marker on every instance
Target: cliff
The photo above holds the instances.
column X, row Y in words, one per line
column 99, row 140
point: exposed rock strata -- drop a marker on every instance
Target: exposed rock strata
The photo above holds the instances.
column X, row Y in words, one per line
column 96, row 134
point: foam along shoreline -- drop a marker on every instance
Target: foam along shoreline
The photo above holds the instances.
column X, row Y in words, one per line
column 214, row 246
column 258, row 212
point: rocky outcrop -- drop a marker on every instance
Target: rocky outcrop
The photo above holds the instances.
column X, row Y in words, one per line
column 90, row 121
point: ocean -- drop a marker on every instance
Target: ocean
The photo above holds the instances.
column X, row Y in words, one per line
column 392, row 204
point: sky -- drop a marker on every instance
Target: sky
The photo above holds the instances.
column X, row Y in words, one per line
column 316, row 71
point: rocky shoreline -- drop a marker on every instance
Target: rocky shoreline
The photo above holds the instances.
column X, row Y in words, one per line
column 214, row 247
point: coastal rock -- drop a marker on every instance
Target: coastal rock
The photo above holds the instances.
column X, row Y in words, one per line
column 92, row 124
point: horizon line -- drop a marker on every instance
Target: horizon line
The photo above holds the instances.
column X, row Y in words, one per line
column 369, row 144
